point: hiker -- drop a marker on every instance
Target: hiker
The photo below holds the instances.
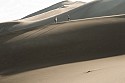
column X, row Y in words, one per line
column 56, row 19
column 68, row 18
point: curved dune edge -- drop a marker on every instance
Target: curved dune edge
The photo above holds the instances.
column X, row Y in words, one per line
column 107, row 70
column 30, row 25
column 55, row 6
column 14, row 26
column 67, row 25
column 62, row 43
column 93, row 9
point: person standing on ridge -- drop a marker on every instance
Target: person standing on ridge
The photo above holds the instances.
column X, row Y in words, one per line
column 68, row 18
column 56, row 19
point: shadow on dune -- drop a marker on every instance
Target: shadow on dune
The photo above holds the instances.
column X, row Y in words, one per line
column 7, row 34
column 4, row 27
column 63, row 43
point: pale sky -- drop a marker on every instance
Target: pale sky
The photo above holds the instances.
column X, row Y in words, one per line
column 16, row 9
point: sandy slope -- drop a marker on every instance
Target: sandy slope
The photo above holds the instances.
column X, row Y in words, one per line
column 96, row 9
column 23, row 52
column 62, row 43
column 31, row 45
column 107, row 70
column 63, row 4
column 63, row 7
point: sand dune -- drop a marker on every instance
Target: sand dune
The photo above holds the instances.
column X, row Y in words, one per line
column 76, row 10
column 107, row 70
column 96, row 9
column 29, row 47
column 62, row 4
column 45, row 16
column 92, row 9
column 67, row 42
column 62, row 7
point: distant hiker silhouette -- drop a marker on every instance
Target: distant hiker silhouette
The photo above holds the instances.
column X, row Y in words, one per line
column 68, row 18
column 55, row 20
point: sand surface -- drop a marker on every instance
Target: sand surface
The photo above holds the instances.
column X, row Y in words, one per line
column 67, row 42
column 90, row 50
column 107, row 70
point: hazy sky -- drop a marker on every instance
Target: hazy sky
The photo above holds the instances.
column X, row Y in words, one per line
column 15, row 9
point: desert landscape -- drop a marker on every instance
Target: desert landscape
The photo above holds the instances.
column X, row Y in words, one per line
column 88, row 48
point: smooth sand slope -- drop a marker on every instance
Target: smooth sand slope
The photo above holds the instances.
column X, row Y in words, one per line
column 107, row 70
column 62, row 43
column 99, row 8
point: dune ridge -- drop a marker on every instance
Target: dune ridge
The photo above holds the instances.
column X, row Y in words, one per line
column 55, row 6
column 81, row 11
